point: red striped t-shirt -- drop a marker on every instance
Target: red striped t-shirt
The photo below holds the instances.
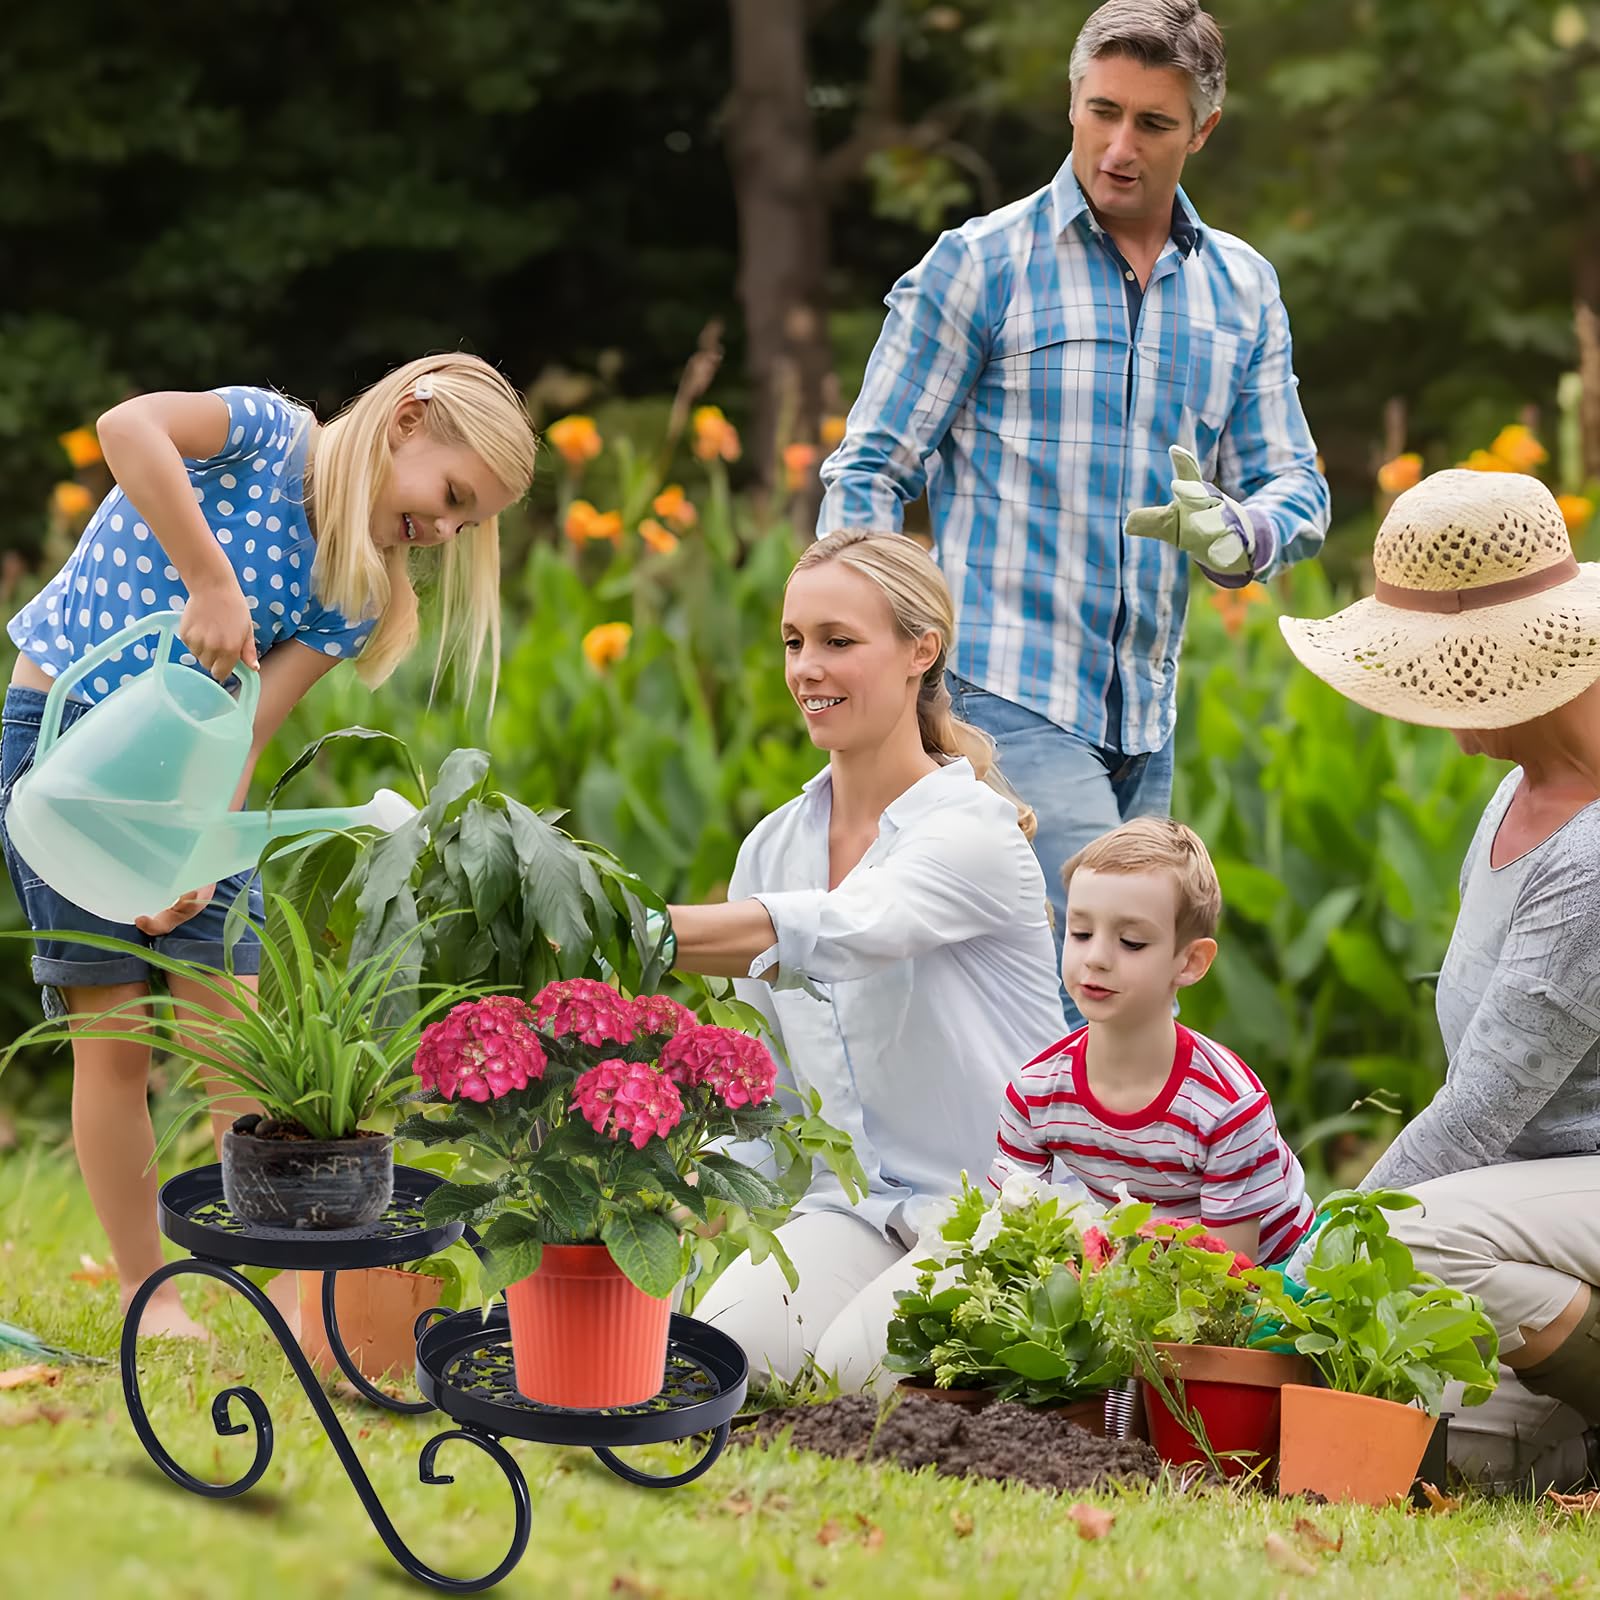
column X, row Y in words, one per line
column 1206, row 1149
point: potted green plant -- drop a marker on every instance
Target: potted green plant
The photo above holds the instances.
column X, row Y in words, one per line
column 1188, row 1311
column 595, row 1117
column 1385, row 1339
column 319, row 1050
column 1005, row 1308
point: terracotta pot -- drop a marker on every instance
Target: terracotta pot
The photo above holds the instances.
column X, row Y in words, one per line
column 924, row 1389
column 1235, row 1395
column 1350, row 1446
column 1087, row 1414
column 377, row 1308
column 582, row 1335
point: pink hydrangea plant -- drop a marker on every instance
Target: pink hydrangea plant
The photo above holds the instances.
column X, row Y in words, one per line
column 739, row 1068
column 661, row 1014
column 481, row 1050
column 628, row 1097
column 585, row 1009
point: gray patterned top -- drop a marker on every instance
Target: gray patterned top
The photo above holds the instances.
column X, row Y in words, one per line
column 1519, row 1009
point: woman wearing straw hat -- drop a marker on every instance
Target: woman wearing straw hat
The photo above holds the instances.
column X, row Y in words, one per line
column 1482, row 622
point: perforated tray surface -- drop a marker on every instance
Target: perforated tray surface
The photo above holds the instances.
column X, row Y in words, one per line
column 464, row 1367
column 195, row 1216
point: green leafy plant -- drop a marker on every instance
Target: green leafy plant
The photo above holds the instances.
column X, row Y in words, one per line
column 1371, row 1321
column 320, row 1049
column 597, row 1118
column 1008, row 1305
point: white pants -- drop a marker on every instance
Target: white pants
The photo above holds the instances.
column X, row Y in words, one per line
column 840, row 1312
column 1522, row 1236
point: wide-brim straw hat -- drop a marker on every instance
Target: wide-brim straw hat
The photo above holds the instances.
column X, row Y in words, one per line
column 1480, row 618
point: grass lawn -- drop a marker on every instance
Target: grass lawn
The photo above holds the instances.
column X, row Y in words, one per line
column 86, row 1513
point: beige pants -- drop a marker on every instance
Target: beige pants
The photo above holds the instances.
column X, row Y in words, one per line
column 1522, row 1236
column 840, row 1259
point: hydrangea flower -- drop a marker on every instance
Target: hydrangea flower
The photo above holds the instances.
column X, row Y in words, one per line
column 584, row 1009
column 481, row 1050
column 661, row 1014
column 628, row 1097
column 739, row 1068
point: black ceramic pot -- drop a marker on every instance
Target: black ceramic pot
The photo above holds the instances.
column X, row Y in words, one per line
column 274, row 1181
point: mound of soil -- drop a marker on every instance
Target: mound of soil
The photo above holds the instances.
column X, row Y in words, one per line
column 1006, row 1442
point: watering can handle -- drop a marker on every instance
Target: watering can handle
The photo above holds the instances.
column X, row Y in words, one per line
column 166, row 624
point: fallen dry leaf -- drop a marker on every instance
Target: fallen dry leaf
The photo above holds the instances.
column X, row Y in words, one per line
column 872, row 1534
column 39, row 1411
column 738, row 1505
column 1440, row 1502
column 20, row 1377
column 830, row 1532
column 962, row 1523
column 1575, row 1505
column 1315, row 1537
column 93, row 1271
column 1094, row 1522
column 623, row 1584
column 1286, row 1558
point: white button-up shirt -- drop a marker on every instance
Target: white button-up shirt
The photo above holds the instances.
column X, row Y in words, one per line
column 907, row 996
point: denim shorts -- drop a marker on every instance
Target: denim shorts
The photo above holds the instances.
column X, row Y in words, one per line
column 59, row 962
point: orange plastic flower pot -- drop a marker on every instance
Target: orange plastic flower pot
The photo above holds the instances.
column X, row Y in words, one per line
column 1234, row 1393
column 377, row 1309
column 582, row 1335
column 1350, row 1446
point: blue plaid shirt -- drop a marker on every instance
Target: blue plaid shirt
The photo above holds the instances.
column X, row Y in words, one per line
column 1034, row 396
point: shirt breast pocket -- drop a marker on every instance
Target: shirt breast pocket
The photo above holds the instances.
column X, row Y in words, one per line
column 1044, row 384
column 1214, row 372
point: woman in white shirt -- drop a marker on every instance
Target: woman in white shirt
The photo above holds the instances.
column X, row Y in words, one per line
column 889, row 922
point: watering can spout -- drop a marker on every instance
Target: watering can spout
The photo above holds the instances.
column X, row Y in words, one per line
column 234, row 842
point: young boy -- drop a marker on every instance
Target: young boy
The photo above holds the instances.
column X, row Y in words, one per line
column 1134, row 1097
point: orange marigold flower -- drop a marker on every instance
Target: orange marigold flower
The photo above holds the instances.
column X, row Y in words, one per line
column 657, row 537
column 672, row 505
column 1233, row 604
column 577, row 439
column 1404, row 472
column 584, row 523
column 832, row 431
column 82, row 447
column 71, row 501
column 606, row 643
column 1486, row 461
column 799, row 462
column 714, row 435
column 1576, row 510
column 1516, row 446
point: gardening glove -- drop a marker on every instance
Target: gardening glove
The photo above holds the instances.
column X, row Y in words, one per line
column 1199, row 519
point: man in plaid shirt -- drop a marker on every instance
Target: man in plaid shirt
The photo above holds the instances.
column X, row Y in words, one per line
column 1085, row 364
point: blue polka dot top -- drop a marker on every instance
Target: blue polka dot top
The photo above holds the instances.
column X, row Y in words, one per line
column 251, row 494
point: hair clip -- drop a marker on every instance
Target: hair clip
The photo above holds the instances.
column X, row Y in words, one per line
column 422, row 389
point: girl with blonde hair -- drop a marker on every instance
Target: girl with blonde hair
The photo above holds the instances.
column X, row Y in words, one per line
column 288, row 547
column 889, row 923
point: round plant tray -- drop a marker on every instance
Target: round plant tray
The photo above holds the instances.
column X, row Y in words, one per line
column 195, row 1216
column 464, row 1367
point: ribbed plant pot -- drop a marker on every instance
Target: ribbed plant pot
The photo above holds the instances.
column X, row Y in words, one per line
column 1234, row 1394
column 582, row 1335
column 272, row 1178
column 1350, row 1446
column 1087, row 1414
column 377, row 1310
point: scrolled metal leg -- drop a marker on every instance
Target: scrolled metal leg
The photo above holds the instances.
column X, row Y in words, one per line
column 224, row 1422
column 650, row 1481
column 358, row 1381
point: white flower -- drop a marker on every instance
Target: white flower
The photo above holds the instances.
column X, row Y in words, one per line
column 988, row 1229
column 1019, row 1191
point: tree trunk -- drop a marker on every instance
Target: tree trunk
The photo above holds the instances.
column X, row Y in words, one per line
column 783, row 235
column 1586, row 311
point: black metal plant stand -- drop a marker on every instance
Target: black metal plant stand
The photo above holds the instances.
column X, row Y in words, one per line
column 464, row 1366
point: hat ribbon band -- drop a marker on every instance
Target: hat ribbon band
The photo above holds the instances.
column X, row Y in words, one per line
column 1488, row 594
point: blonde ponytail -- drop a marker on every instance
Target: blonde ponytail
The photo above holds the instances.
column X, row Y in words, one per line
column 920, row 600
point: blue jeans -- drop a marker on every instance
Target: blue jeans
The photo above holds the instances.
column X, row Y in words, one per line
column 1078, row 790
column 59, row 962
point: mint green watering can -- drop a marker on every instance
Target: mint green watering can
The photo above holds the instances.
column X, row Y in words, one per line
column 129, row 808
